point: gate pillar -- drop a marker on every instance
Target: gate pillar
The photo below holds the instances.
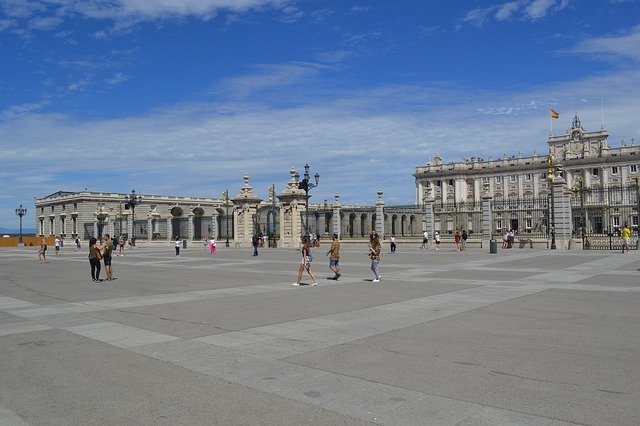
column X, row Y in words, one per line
column 487, row 217
column 292, row 204
column 245, row 207
column 561, row 210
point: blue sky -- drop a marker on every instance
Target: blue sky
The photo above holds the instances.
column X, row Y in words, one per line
column 182, row 97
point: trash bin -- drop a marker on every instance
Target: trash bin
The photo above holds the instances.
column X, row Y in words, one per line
column 184, row 244
column 493, row 246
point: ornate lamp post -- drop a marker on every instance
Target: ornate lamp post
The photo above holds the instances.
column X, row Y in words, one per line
column 271, row 218
column 131, row 201
column 20, row 211
column 225, row 201
column 306, row 185
column 552, row 210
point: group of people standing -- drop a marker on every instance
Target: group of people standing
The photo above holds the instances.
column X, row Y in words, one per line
column 98, row 252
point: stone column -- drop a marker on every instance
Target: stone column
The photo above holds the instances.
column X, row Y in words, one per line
column 150, row 229
column 170, row 227
column 380, row 215
column 487, row 217
column 245, row 208
column 561, row 210
column 215, row 225
column 335, row 218
column 190, row 222
column 429, row 216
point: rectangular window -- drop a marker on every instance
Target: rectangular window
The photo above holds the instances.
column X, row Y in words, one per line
column 485, row 180
column 543, row 175
column 528, row 223
column 595, row 172
column 498, row 179
column 615, row 221
column 614, row 170
column 513, row 178
column 633, row 168
column 451, row 182
column 528, row 177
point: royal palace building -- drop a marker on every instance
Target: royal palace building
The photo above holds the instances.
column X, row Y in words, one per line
column 586, row 157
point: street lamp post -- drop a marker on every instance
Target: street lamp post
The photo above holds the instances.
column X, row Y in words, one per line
column 20, row 211
column 131, row 201
column 582, row 212
column 306, row 185
column 225, row 201
column 553, row 219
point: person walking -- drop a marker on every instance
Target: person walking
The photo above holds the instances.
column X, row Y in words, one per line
column 374, row 255
column 334, row 258
column 106, row 258
column 436, row 238
column 255, row 241
column 626, row 237
column 56, row 245
column 212, row 245
column 392, row 242
column 457, row 238
column 463, row 240
column 305, row 263
column 42, row 257
column 425, row 240
column 78, row 245
column 177, row 246
column 95, row 255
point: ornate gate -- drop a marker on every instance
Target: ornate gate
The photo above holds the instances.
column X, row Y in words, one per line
column 599, row 215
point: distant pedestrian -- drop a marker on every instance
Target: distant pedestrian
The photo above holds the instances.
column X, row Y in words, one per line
column 463, row 240
column 317, row 239
column 207, row 243
column 425, row 240
column 114, row 240
column 392, row 242
column 255, row 241
column 212, row 245
column 121, row 243
column 106, row 258
column 436, row 238
column 42, row 257
column 305, row 263
column 95, row 255
column 457, row 238
column 626, row 238
column 374, row 255
column 177, row 246
column 334, row 258
column 56, row 245
column 505, row 239
column 78, row 245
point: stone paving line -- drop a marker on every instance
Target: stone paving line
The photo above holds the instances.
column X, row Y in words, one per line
column 256, row 357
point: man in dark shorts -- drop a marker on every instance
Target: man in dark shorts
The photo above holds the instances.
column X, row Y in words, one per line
column 334, row 258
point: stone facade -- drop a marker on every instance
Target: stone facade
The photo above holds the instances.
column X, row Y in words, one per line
column 585, row 156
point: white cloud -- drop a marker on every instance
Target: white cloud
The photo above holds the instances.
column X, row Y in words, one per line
column 625, row 46
column 116, row 79
column 507, row 10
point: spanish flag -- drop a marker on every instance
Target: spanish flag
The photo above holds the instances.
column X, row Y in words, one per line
column 554, row 114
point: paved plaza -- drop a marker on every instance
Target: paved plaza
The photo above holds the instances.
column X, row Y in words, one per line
column 447, row 338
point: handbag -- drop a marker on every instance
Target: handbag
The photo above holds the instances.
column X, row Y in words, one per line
column 309, row 258
column 98, row 253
